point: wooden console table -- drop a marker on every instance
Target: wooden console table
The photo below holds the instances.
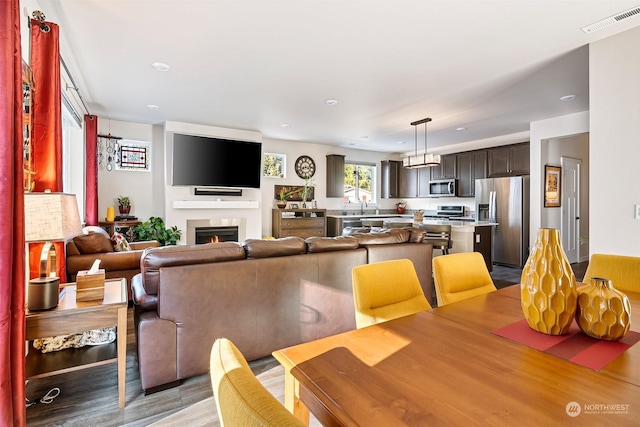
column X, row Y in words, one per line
column 299, row 222
column 73, row 317
column 124, row 227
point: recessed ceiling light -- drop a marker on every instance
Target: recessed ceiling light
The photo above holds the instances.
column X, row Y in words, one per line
column 331, row 102
column 401, row 142
column 285, row 126
column 160, row 66
column 567, row 98
column 153, row 107
column 460, row 129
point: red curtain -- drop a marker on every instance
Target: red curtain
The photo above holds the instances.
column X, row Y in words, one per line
column 47, row 128
column 47, row 108
column 91, row 183
column 12, row 244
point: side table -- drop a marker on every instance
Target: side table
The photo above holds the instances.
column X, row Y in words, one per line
column 72, row 317
column 124, row 227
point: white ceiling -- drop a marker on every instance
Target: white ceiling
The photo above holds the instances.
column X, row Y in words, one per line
column 489, row 66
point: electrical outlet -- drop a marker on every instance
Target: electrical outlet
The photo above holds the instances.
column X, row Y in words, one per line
column 637, row 212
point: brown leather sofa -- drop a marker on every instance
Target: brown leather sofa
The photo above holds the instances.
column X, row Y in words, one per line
column 84, row 249
column 263, row 295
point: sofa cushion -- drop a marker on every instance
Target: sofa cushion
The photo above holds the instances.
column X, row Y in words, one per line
column 258, row 248
column 119, row 243
column 393, row 235
column 93, row 243
column 327, row 244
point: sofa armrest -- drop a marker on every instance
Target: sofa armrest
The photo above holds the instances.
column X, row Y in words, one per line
column 141, row 299
column 110, row 261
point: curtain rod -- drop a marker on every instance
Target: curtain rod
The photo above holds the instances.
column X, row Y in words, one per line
column 75, row 86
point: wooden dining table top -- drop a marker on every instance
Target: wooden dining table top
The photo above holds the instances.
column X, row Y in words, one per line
column 446, row 367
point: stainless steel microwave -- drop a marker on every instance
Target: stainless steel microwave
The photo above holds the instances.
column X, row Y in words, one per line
column 443, row 188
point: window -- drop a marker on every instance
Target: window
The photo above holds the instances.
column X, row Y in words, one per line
column 359, row 182
column 274, row 165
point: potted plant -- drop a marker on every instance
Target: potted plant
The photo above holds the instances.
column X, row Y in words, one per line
column 154, row 229
column 282, row 198
column 124, row 205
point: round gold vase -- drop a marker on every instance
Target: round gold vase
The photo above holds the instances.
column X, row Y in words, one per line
column 548, row 286
column 603, row 312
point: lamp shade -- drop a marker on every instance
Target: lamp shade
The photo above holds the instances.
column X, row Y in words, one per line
column 50, row 216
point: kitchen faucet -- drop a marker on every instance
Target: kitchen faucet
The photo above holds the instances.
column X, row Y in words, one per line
column 363, row 204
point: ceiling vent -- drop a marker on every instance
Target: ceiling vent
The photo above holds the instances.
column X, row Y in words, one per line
column 611, row 20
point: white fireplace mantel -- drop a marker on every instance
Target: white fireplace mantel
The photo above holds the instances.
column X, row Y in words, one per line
column 216, row 204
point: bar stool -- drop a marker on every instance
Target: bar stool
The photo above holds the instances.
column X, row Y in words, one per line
column 439, row 236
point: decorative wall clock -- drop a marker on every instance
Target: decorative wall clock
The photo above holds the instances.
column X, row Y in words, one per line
column 305, row 167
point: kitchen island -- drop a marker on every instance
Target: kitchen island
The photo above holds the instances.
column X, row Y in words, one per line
column 467, row 235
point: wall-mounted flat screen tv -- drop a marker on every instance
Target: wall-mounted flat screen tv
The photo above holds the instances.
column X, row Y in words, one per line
column 216, row 162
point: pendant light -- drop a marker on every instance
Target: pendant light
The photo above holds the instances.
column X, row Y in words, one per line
column 424, row 160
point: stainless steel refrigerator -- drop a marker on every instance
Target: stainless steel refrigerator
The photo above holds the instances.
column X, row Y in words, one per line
column 506, row 202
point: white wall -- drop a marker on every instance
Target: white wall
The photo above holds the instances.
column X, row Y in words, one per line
column 614, row 86
column 135, row 184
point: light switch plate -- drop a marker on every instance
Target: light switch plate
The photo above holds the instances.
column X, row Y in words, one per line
column 637, row 212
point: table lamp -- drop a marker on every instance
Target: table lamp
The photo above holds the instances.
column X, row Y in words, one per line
column 48, row 217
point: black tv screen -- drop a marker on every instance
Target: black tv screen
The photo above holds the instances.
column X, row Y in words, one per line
column 215, row 162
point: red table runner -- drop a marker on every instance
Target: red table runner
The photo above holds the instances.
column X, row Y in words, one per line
column 575, row 346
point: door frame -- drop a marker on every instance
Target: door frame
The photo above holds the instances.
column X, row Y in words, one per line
column 567, row 212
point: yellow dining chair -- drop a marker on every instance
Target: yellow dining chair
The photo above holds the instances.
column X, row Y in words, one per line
column 240, row 398
column 622, row 270
column 386, row 290
column 460, row 276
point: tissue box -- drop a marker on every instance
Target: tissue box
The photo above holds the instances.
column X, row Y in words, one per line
column 90, row 287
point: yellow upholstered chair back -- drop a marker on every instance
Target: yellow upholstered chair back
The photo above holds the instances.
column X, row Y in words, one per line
column 460, row 276
column 623, row 271
column 240, row 398
column 386, row 290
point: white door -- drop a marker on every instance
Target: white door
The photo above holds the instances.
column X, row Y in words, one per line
column 570, row 207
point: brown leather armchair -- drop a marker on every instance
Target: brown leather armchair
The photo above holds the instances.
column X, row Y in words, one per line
column 84, row 249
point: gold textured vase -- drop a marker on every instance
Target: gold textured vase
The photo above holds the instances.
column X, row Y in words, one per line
column 548, row 286
column 603, row 311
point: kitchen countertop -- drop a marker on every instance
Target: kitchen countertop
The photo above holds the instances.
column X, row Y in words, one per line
column 453, row 223
column 366, row 215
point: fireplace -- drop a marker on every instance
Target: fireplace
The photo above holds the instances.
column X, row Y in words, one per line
column 201, row 231
column 216, row 234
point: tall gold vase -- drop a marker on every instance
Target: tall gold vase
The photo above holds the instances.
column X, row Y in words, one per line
column 603, row 312
column 548, row 286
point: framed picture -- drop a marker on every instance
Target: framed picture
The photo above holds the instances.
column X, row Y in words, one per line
column 552, row 186
column 293, row 193
column 274, row 165
column 293, row 206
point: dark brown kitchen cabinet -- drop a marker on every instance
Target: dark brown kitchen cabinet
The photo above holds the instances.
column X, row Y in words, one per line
column 390, row 174
column 335, row 175
column 446, row 169
column 472, row 165
column 398, row 181
column 509, row 160
column 424, row 176
column 482, row 243
column 407, row 182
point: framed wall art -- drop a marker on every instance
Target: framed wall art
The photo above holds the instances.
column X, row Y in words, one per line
column 274, row 165
column 552, row 186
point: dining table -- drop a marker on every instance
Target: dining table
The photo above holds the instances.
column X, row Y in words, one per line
column 448, row 366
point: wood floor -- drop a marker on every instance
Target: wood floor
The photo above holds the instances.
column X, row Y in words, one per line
column 90, row 397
